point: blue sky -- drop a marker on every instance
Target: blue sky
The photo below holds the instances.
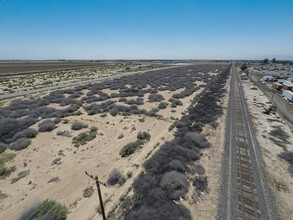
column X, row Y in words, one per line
column 145, row 29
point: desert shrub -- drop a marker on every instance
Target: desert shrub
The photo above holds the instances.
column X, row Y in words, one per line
column 91, row 112
column 64, row 133
column 175, row 102
column 168, row 210
column 121, row 136
column 88, row 192
column 145, row 136
column 129, row 174
column 155, row 97
column 94, row 129
column 20, row 175
column 288, row 156
column 27, row 133
column 65, row 121
column 115, row 177
column 130, row 148
column 57, row 120
column 199, row 169
column 204, row 144
column 5, row 172
column 162, row 105
column 171, row 127
column 175, row 165
column 141, row 120
column 175, row 184
column 20, row 144
column 54, row 179
column 278, row 132
column 200, row 183
column 56, row 161
column 46, row 126
column 9, row 127
column 76, row 125
column 122, row 99
column 30, row 213
column 114, row 112
column 3, row 147
column 83, row 138
column 50, row 209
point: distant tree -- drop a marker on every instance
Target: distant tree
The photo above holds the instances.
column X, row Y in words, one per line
column 243, row 67
column 265, row 61
column 274, row 60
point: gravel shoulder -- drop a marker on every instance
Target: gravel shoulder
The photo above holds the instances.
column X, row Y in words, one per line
column 279, row 178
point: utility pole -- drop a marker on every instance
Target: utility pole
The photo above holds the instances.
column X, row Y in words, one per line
column 99, row 192
column 273, row 94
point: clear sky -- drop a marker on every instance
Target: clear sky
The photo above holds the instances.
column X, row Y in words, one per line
column 145, row 29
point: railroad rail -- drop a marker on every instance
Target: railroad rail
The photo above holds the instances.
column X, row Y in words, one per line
column 244, row 192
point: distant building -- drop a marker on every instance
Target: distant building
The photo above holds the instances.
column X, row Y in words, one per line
column 278, row 86
column 288, row 95
column 269, row 78
column 287, row 85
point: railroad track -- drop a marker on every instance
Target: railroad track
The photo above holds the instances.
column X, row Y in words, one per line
column 244, row 190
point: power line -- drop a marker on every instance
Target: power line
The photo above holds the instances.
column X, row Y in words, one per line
column 56, row 203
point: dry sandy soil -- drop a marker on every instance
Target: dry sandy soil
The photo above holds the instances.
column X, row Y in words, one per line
column 279, row 177
column 98, row 157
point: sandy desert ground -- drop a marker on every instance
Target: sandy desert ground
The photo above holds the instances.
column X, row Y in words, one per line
column 64, row 180
column 272, row 145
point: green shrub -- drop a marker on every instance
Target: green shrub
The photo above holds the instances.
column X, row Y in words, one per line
column 121, row 136
column 114, row 112
column 77, row 113
column 91, row 112
column 57, row 211
column 178, row 102
column 65, row 121
column 130, row 148
column 93, row 129
column 4, row 158
column 143, row 136
column 141, row 119
column 163, row 105
column 88, row 192
column 129, row 174
column 5, row 172
column 83, row 138
column 171, row 127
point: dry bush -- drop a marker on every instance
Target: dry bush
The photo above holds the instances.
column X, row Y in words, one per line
column 20, row 144
column 27, row 133
column 288, row 156
column 76, row 125
column 278, row 132
column 200, row 183
column 155, row 98
column 30, row 213
column 3, row 147
column 175, row 184
column 46, row 126
column 54, row 179
column 88, row 192
column 199, row 169
column 115, row 177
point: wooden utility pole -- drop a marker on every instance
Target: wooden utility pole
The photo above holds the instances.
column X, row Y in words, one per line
column 99, row 192
column 100, row 197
